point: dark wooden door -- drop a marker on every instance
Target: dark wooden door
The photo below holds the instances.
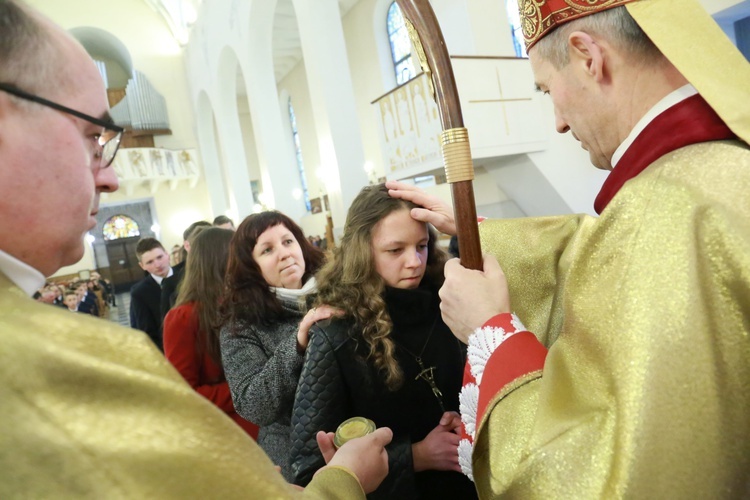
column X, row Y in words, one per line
column 123, row 263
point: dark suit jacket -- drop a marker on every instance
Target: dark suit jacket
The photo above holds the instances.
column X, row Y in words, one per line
column 169, row 289
column 145, row 313
column 89, row 305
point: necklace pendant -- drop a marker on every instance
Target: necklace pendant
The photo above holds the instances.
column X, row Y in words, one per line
column 427, row 375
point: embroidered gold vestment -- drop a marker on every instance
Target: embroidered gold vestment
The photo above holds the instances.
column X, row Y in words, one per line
column 89, row 409
column 645, row 391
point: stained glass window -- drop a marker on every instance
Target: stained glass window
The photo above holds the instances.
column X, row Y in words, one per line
column 515, row 28
column 298, row 154
column 400, row 45
column 120, row 226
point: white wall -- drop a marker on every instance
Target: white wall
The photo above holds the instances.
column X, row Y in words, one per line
column 714, row 6
column 248, row 140
column 175, row 210
column 369, row 77
column 562, row 173
column 157, row 55
column 86, row 263
column 568, row 170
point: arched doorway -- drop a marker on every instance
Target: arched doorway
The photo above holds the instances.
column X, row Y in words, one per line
column 121, row 234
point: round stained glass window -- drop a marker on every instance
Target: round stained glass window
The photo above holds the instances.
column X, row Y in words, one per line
column 120, row 226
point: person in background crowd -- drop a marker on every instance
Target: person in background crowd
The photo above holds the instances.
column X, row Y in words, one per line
column 191, row 329
column 108, row 292
column 59, row 294
column 224, row 222
column 453, row 246
column 390, row 358
column 169, row 286
column 86, row 300
column 72, row 302
column 98, row 412
column 46, row 295
column 175, row 255
column 268, row 280
column 145, row 296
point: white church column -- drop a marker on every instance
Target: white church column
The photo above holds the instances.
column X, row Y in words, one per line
column 278, row 165
column 209, row 154
column 230, row 132
column 332, row 97
column 228, row 125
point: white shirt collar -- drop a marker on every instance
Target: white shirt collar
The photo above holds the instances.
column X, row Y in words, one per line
column 667, row 102
column 23, row 275
column 159, row 279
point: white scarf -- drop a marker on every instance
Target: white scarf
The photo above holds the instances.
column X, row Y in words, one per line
column 292, row 295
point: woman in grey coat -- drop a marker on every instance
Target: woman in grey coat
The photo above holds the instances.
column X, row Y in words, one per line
column 269, row 277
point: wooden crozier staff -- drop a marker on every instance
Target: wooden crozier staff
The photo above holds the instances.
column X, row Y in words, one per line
column 429, row 44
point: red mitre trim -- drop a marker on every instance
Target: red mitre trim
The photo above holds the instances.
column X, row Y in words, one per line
column 691, row 121
column 519, row 355
column 538, row 20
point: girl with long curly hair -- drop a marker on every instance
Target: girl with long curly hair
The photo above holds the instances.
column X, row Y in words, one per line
column 390, row 357
column 265, row 321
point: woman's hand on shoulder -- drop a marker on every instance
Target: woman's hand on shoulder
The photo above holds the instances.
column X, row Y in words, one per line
column 439, row 449
column 314, row 315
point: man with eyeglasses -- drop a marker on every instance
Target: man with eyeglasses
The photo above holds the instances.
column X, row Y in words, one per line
column 91, row 409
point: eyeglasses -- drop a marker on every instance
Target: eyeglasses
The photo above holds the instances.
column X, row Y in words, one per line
column 108, row 140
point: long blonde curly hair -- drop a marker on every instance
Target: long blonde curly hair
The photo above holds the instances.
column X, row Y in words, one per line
column 350, row 282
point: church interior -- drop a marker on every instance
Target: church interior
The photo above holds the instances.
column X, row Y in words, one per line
column 268, row 307
column 232, row 107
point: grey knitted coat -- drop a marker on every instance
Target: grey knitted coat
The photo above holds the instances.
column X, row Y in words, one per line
column 262, row 366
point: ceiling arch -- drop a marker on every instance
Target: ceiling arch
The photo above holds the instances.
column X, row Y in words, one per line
column 287, row 48
column 103, row 44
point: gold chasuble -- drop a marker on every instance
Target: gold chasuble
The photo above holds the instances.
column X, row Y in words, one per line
column 645, row 391
column 89, row 409
column 636, row 380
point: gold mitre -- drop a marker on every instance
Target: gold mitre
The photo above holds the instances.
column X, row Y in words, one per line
column 682, row 30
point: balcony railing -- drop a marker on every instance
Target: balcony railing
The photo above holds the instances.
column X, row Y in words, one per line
column 500, row 108
column 154, row 167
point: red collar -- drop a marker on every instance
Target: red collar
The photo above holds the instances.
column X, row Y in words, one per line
column 691, row 121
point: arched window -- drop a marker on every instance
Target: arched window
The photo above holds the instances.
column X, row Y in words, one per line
column 400, row 45
column 298, row 153
column 120, row 226
column 515, row 28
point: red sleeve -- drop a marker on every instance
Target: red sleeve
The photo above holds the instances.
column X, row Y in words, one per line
column 519, row 355
column 180, row 340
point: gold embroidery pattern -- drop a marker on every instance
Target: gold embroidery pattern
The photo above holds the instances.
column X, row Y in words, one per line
column 539, row 17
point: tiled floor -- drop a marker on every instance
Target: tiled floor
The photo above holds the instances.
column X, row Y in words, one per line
column 121, row 313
